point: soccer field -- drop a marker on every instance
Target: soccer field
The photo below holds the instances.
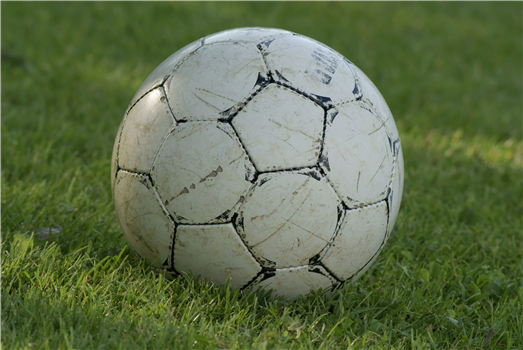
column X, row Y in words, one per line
column 451, row 274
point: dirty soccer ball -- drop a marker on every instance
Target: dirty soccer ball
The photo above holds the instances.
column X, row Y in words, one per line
column 258, row 158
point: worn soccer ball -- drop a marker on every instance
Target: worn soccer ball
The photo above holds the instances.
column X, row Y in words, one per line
column 258, row 158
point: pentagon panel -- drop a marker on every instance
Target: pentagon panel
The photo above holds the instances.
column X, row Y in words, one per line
column 357, row 156
column 146, row 126
column 359, row 238
column 288, row 217
column 215, row 81
column 214, row 252
column 280, row 129
column 145, row 224
column 202, row 172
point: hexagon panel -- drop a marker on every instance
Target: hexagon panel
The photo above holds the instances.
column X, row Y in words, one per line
column 373, row 97
column 367, row 266
column 359, row 238
column 164, row 69
column 214, row 81
column 396, row 192
column 249, row 35
column 215, row 253
column 145, row 128
column 310, row 67
column 114, row 158
column 288, row 217
column 280, row 129
column 202, row 173
column 146, row 226
column 294, row 281
column 357, row 156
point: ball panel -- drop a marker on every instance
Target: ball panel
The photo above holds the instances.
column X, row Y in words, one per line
column 145, row 225
column 295, row 281
column 280, row 129
column 251, row 35
column 396, row 188
column 372, row 95
column 214, row 252
column 146, row 126
column 202, row 172
column 310, row 67
column 357, row 157
column 114, row 158
column 366, row 267
column 214, row 81
column 163, row 70
column 288, row 217
column 359, row 238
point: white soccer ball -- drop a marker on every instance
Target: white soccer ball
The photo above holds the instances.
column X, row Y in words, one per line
column 258, row 158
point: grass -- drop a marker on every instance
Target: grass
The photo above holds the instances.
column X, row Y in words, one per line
column 450, row 277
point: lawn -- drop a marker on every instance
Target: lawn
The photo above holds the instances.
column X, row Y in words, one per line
column 450, row 276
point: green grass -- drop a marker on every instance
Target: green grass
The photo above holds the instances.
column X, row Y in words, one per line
column 450, row 277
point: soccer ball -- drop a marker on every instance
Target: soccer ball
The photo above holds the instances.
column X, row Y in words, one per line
column 258, row 158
